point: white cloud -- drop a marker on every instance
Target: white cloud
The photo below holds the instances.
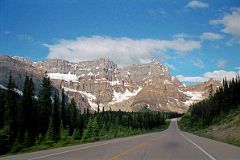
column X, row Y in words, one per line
column 221, row 63
column 220, row 74
column 191, row 79
column 216, row 75
column 211, row 36
column 183, row 35
column 123, row 51
column 231, row 22
column 198, row 62
column 196, row 4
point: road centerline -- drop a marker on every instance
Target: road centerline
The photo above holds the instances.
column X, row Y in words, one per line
column 92, row 146
column 134, row 148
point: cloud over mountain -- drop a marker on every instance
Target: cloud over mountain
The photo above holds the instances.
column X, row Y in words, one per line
column 216, row 75
column 123, row 51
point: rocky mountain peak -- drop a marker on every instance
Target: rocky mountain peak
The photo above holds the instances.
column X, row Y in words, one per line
column 101, row 82
column 23, row 59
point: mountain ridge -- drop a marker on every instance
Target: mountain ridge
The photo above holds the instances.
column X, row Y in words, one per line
column 102, row 83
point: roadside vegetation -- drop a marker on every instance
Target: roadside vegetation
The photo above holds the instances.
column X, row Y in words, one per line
column 29, row 122
column 217, row 117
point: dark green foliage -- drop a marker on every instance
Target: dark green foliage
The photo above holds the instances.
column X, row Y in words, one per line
column 73, row 116
column 54, row 125
column 27, row 114
column 44, row 122
column 4, row 140
column 63, row 109
column 2, row 109
column 77, row 134
column 88, row 132
column 10, row 118
column 95, row 129
column 44, row 105
column 225, row 99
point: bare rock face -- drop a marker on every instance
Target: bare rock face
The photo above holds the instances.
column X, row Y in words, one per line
column 101, row 83
column 205, row 87
column 19, row 68
column 130, row 88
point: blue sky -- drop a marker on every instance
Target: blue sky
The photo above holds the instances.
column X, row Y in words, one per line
column 197, row 40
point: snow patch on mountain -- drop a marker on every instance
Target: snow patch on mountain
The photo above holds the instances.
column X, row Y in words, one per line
column 90, row 97
column 167, row 82
column 119, row 97
column 15, row 90
column 193, row 97
column 3, row 87
column 66, row 77
column 113, row 83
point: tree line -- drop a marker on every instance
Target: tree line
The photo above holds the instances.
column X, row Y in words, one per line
column 225, row 99
column 32, row 119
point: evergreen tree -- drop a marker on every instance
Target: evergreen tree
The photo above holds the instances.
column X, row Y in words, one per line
column 88, row 132
column 73, row 116
column 55, row 121
column 44, row 105
column 63, row 108
column 11, row 109
column 26, row 118
column 32, row 124
column 77, row 134
column 95, row 129
column 2, row 110
column 210, row 90
column 225, row 99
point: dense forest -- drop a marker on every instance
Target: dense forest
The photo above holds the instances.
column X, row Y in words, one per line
column 219, row 104
column 46, row 118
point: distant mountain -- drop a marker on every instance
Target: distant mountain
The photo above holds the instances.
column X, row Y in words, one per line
column 101, row 82
column 19, row 68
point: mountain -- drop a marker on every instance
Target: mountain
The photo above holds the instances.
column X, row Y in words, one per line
column 19, row 68
column 101, row 82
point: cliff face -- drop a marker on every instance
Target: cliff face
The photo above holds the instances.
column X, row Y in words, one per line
column 19, row 69
column 101, row 82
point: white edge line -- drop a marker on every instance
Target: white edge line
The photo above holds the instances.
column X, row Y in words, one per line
column 72, row 150
column 77, row 149
column 205, row 152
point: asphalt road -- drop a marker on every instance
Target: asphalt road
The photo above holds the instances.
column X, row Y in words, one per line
column 171, row 144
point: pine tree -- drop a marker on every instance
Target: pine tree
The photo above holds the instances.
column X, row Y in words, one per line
column 44, row 105
column 73, row 116
column 54, row 124
column 95, row 129
column 2, row 110
column 11, row 109
column 210, row 90
column 26, row 118
column 76, row 134
column 63, row 109
column 103, row 131
column 88, row 132
column 32, row 124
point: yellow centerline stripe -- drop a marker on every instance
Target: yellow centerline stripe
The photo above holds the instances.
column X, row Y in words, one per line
column 133, row 148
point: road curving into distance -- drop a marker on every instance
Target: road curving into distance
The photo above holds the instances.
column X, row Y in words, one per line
column 171, row 144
